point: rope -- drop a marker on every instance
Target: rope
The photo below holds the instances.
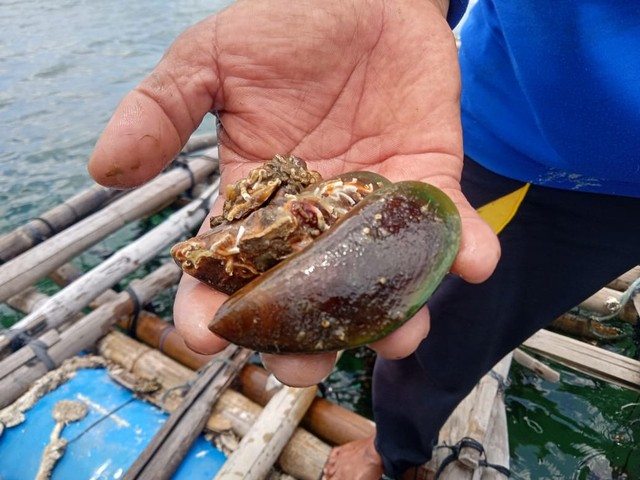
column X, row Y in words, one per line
column 19, row 338
column 184, row 386
column 187, row 385
column 503, row 383
column 36, row 235
column 41, row 351
column 137, row 307
column 164, row 336
column 180, row 162
column 102, row 418
column 467, row 442
column 627, row 295
column 74, row 212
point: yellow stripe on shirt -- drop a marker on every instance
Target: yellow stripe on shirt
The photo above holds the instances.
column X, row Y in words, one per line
column 501, row 211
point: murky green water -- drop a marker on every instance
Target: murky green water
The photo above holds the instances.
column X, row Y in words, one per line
column 579, row 428
column 65, row 66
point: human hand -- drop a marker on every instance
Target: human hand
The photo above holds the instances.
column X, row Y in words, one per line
column 345, row 85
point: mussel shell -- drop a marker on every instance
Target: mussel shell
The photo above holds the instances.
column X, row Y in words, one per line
column 356, row 283
column 196, row 259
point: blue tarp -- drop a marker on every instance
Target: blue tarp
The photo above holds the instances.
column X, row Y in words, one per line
column 102, row 445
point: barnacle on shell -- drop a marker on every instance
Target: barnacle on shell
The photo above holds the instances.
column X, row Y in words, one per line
column 233, row 253
column 282, row 174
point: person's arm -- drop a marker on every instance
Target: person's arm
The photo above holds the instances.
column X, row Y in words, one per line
column 345, row 85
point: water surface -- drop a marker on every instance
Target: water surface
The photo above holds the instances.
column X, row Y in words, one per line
column 65, row 65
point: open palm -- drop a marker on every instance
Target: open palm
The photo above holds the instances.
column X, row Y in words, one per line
column 345, row 85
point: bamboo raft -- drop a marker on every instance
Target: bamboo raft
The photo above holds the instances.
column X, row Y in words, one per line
column 255, row 421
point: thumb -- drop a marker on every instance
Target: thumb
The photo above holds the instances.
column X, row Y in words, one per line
column 154, row 121
column 479, row 247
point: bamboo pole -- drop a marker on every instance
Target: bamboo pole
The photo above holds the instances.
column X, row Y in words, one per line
column 606, row 300
column 303, row 458
column 80, row 293
column 321, row 418
column 144, row 289
column 73, row 209
column 18, row 370
column 54, row 220
column 332, row 423
column 27, row 300
column 200, row 142
column 27, row 268
column 625, row 280
column 585, row 328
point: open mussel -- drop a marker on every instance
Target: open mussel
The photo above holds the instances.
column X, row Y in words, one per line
column 234, row 252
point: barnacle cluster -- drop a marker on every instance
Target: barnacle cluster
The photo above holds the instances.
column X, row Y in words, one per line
column 279, row 209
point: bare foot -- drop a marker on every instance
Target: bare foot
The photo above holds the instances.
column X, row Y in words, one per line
column 357, row 460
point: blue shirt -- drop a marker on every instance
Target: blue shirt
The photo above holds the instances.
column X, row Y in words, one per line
column 551, row 91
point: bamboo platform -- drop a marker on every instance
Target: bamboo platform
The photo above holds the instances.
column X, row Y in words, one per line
column 267, row 429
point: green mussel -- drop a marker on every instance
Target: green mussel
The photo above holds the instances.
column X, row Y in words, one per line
column 356, row 283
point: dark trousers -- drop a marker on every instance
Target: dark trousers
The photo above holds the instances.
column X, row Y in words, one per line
column 560, row 248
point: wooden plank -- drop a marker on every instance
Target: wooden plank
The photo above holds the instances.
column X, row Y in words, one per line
column 164, row 454
column 536, row 366
column 261, row 447
column 474, row 418
column 591, row 360
column 480, row 418
column 497, row 448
